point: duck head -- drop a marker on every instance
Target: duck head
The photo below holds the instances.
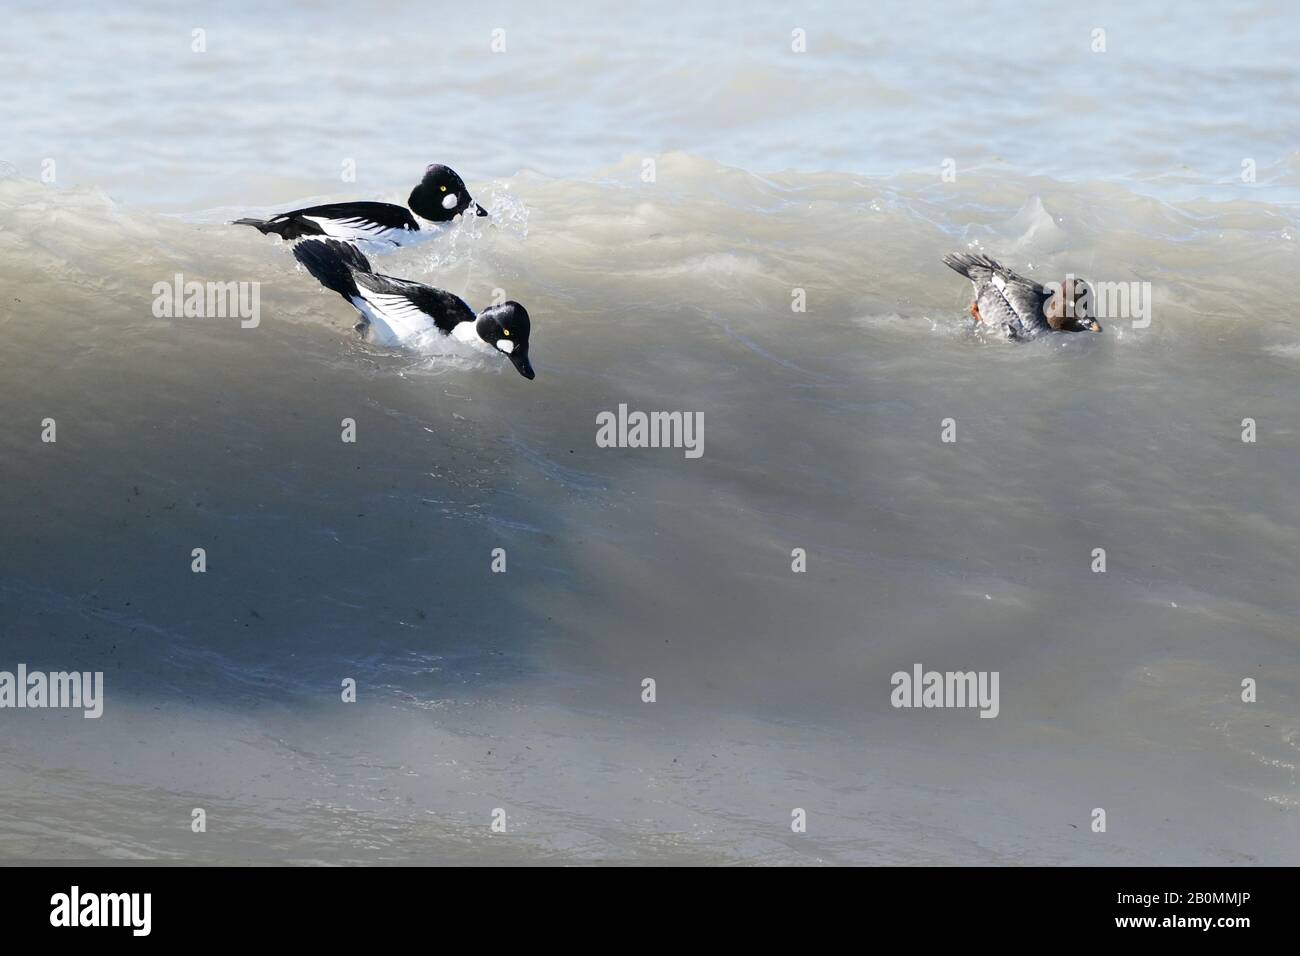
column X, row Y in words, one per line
column 1070, row 307
column 505, row 327
column 442, row 196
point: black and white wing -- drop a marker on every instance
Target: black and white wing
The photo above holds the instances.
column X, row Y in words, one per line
column 401, row 311
column 379, row 222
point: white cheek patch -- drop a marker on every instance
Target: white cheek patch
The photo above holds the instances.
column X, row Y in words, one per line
column 449, row 201
column 505, row 345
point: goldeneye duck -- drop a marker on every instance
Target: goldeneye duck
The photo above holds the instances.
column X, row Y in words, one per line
column 1020, row 307
column 399, row 312
column 440, row 198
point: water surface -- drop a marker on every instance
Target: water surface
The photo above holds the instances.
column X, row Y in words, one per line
column 774, row 171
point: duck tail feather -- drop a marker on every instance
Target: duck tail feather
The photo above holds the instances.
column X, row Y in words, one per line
column 973, row 266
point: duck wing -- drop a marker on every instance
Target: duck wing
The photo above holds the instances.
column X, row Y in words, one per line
column 351, row 221
column 1004, row 297
column 411, row 307
column 333, row 262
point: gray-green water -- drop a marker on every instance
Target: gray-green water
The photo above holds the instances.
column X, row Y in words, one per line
column 523, row 690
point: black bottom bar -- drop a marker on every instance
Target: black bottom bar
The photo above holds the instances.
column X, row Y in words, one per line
column 332, row 906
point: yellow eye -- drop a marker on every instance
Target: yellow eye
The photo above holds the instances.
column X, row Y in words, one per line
column 443, row 188
column 507, row 332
